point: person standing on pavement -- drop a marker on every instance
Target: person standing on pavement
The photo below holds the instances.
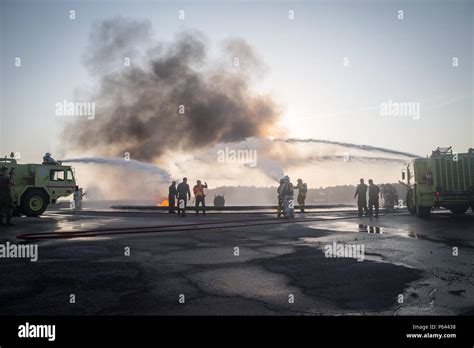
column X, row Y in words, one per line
column 302, row 190
column 374, row 192
column 280, row 197
column 77, row 196
column 184, row 193
column 199, row 196
column 6, row 198
column 361, row 194
column 172, row 193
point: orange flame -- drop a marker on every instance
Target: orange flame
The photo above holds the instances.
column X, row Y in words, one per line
column 164, row 202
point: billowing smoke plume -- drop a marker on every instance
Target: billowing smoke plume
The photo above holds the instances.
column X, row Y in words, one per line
column 173, row 97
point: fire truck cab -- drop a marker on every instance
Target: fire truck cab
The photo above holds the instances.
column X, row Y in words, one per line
column 35, row 186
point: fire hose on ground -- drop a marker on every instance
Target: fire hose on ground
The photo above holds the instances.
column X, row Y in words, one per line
column 173, row 228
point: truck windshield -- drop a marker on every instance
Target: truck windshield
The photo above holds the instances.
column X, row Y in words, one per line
column 69, row 176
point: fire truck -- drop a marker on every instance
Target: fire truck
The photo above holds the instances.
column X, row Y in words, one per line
column 35, row 186
column 444, row 179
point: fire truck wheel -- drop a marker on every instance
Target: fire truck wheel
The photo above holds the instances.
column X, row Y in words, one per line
column 34, row 203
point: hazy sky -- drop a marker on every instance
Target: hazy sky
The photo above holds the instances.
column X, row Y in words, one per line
column 402, row 60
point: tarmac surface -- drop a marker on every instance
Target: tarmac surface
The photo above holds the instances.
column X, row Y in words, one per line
column 410, row 266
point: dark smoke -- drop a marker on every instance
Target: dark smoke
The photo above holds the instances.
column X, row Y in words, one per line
column 111, row 41
column 138, row 106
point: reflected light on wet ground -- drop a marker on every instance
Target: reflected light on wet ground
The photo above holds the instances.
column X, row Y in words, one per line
column 70, row 223
column 366, row 227
column 370, row 229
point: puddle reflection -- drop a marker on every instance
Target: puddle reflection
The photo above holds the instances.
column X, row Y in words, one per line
column 370, row 229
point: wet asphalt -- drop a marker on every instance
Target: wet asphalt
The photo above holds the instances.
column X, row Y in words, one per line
column 410, row 266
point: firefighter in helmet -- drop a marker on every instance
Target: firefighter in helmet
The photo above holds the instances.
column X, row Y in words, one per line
column 302, row 190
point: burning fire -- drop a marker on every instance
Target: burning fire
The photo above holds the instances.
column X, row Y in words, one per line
column 164, row 202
